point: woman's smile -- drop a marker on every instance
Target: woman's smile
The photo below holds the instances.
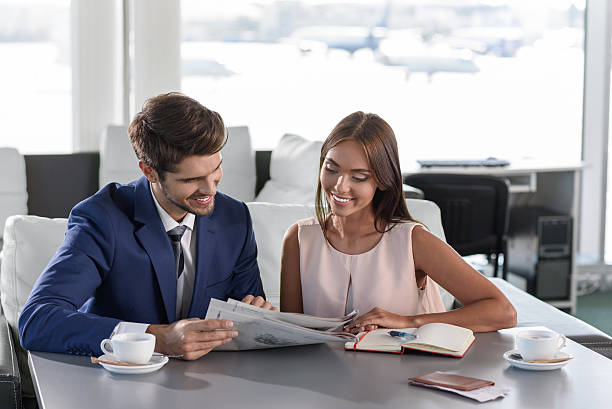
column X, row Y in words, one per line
column 341, row 200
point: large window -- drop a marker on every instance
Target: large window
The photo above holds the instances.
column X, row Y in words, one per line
column 455, row 79
column 35, row 77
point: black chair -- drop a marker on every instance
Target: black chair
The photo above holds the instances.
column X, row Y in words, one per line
column 474, row 211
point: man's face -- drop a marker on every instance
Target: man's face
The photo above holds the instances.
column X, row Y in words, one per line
column 191, row 187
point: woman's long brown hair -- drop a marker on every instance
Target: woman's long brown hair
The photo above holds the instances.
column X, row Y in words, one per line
column 380, row 145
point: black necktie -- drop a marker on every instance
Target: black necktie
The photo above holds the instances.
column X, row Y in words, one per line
column 175, row 236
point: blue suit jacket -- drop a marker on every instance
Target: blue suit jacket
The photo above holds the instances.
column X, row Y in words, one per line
column 116, row 264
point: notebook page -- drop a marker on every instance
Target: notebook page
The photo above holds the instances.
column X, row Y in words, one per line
column 442, row 335
column 380, row 339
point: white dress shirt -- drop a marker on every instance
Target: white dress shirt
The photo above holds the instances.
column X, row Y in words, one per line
column 184, row 284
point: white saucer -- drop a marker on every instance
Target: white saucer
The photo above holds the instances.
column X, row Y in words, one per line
column 519, row 363
column 156, row 362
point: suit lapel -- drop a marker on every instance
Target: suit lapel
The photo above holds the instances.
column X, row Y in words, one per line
column 154, row 240
column 206, row 246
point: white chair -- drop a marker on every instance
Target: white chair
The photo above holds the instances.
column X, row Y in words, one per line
column 238, row 165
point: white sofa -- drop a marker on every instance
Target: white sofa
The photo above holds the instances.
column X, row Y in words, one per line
column 31, row 241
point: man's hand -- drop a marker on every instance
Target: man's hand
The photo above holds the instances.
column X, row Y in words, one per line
column 259, row 302
column 191, row 338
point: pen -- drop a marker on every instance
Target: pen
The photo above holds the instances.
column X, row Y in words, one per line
column 404, row 336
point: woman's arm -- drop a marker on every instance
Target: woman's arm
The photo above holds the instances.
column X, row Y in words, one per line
column 485, row 307
column 291, row 285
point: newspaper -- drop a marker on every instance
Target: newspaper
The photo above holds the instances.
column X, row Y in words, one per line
column 258, row 328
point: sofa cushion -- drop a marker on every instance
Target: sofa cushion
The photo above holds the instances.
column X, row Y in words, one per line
column 118, row 162
column 277, row 192
column 294, row 169
column 270, row 222
column 239, row 175
column 13, row 192
column 29, row 244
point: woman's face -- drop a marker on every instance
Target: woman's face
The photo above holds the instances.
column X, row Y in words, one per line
column 347, row 180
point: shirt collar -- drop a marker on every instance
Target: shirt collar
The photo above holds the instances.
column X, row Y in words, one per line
column 167, row 220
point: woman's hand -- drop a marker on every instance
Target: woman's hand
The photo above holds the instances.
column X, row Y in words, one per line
column 378, row 317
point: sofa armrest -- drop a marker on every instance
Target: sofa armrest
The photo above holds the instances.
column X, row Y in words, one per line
column 10, row 381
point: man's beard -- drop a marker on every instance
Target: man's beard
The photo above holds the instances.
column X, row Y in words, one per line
column 198, row 212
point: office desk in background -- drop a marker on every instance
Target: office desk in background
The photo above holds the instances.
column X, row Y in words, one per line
column 535, row 183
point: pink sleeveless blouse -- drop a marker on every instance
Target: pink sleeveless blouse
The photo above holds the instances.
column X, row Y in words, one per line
column 381, row 277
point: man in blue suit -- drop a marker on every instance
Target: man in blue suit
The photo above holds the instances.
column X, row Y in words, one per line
column 149, row 255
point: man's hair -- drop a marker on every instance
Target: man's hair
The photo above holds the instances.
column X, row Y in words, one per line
column 173, row 126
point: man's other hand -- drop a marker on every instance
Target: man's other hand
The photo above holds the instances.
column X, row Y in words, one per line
column 259, row 302
column 191, row 338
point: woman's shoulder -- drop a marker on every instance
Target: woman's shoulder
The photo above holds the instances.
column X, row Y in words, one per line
column 406, row 226
column 309, row 222
column 298, row 228
column 308, row 230
column 406, row 232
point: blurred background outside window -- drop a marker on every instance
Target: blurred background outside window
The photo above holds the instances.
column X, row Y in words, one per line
column 455, row 79
column 35, row 76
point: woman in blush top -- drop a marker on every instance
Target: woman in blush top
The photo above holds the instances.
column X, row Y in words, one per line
column 364, row 251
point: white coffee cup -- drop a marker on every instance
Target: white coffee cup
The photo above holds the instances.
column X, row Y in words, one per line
column 133, row 347
column 539, row 344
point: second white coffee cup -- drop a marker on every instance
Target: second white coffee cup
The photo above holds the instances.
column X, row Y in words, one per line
column 539, row 344
column 133, row 347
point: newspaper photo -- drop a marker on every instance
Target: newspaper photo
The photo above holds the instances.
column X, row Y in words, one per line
column 258, row 328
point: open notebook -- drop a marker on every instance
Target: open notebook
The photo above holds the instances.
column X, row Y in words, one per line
column 437, row 338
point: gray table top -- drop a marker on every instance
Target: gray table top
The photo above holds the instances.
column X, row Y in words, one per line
column 321, row 376
column 531, row 311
